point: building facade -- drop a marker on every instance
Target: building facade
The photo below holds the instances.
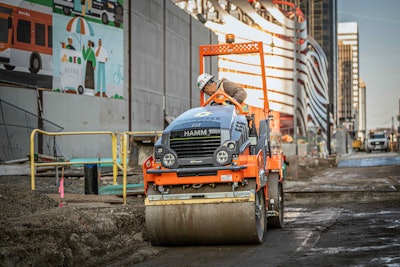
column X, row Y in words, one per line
column 349, row 88
column 321, row 25
column 362, row 115
column 297, row 77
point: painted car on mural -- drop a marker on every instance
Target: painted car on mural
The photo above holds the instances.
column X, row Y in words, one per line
column 105, row 10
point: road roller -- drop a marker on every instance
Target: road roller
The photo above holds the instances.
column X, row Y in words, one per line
column 214, row 178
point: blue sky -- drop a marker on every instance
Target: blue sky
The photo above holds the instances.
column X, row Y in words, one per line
column 379, row 46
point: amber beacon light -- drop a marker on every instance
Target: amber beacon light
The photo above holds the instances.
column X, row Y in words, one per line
column 230, row 38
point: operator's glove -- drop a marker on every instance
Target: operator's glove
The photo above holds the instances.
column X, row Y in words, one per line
column 245, row 107
column 213, row 103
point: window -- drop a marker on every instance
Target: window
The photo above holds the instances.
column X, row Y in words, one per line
column 3, row 30
column 40, row 34
column 50, row 36
column 24, row 31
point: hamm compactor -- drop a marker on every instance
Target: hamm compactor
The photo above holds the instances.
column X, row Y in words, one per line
column 213, row 178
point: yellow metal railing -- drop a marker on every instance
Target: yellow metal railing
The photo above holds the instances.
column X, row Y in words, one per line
column 116, row 165
column 125, row 138
column 34, row 164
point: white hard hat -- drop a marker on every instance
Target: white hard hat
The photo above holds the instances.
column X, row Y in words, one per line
column 203, row 79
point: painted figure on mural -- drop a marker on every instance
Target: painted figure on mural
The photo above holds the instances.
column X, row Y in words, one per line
column 89, row 56
column 102, row 57
column 69, row 44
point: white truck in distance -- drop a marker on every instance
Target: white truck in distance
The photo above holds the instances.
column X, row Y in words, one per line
column 377, row 141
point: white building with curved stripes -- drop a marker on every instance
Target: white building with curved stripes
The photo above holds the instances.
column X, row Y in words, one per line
column 296, row 66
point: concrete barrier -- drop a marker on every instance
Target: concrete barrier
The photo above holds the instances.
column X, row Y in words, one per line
column 290, row 149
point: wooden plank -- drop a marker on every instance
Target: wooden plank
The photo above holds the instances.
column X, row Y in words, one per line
column 131, row 189
column 15, row 169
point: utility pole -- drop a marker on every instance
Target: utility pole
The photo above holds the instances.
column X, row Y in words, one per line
column 328, row 128
column 345, row 116
column 398, row 130
column 392, row 134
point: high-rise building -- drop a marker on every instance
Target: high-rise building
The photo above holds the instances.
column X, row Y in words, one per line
column 345, row 72
column 349, row 89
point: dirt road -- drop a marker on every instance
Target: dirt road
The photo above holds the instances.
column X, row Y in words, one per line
column 333, row 217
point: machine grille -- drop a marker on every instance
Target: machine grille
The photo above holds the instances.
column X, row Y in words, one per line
column 195, row 144
column 378, row 143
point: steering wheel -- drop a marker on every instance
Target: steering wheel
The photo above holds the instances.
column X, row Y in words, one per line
column 221, row 98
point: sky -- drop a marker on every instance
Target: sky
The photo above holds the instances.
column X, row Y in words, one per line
column 379, row 55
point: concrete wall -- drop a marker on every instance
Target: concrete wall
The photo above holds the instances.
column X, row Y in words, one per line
column 18, row 109
column 165, row 62
column 160, row 71
column 85, row 113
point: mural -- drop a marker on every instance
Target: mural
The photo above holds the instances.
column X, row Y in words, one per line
column 69, row 46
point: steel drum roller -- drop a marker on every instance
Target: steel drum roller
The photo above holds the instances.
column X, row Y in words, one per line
column 205, row 221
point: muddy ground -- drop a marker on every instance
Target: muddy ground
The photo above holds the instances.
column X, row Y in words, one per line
column 36, row 231
column 85, row 231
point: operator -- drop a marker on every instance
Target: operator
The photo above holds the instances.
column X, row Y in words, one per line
column 206, row 83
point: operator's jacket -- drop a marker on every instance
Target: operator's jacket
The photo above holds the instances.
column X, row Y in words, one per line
column 232, row 89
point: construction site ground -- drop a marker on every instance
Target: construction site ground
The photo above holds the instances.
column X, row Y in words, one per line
column 334, row 216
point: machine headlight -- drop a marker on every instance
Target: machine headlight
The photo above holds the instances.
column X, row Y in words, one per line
column 222, row 157
column 168, row 160
column 231, row 146
column 159, row 150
